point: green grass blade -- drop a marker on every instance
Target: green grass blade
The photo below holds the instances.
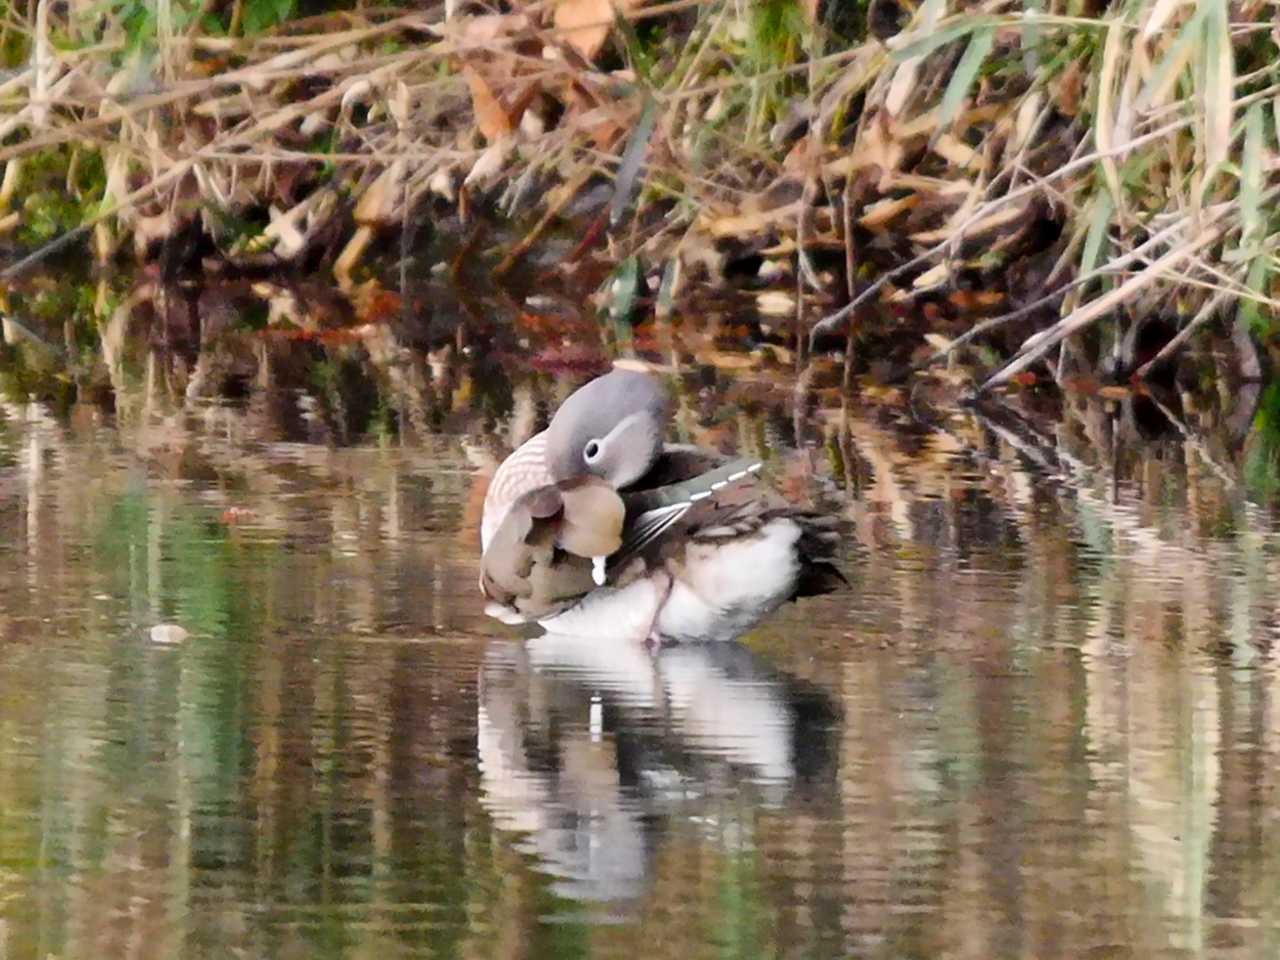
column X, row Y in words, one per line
column 632, row 161
column 1156, row 90
column 1219, row 80
column 966, row 72
column 1251, row 177
column 1251, row 310
column 1097, row 240
column 942, row 35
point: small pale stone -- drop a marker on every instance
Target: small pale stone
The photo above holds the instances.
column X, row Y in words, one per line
column 168, row 633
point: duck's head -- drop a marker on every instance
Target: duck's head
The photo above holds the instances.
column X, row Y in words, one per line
column 612, row 428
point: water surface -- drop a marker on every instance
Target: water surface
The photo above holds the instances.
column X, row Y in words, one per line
column 1040, row 722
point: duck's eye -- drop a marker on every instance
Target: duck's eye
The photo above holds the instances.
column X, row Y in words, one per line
column 591, row 452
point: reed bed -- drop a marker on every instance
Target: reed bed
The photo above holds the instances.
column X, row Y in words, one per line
column 1054, row 173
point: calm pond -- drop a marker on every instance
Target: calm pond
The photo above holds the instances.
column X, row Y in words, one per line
column 1040, row 722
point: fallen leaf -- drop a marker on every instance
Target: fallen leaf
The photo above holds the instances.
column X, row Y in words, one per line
column 441, row 184
column 380, row 307
column 776, row 303
column 481, row 32
column 378, row 203
column 491, row 116
column 878, row 214
column 725, row 360
column 1068, row 89
column 490, row 163
column 797, row 157
column 584, row 24
column 937, row 341
column 935, row 275
column 976, row 299
column 955, row 152
column 882, row 393
column 1002, row 217
column 752, row 222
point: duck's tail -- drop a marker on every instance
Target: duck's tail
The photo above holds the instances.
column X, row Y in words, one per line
column 820, row 539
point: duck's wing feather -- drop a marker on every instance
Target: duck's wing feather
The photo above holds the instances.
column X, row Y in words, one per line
column 540, row 558
column 726, row 502
column 646, row 529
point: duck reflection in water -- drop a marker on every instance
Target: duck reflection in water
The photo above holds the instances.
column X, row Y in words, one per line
column 598, row 528
column 586, row 750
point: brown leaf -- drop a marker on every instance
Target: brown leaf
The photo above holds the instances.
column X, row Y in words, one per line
column 725, row 360
column 490, row 163
column 379, row 202
column 482, row 32
column 879, row 147
column 877, row 215
column 584, row 24
column 798, row 157
column 1069, row 88
column 491, row 117
column 749, row 223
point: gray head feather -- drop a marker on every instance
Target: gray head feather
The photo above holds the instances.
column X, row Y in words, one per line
column 612, row 427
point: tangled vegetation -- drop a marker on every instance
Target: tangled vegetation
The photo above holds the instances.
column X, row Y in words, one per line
column 1027, row 183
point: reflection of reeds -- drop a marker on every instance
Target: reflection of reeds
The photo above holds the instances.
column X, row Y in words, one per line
column 1054, row 668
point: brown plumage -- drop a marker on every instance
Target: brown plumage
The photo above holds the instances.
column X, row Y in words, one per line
column 685, row 542
column 541, row 558
column 540, row 562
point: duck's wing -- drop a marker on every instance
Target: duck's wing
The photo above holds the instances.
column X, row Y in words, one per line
column 521, row 473
column 542, row 557
column 686, row 505
column 728, row 502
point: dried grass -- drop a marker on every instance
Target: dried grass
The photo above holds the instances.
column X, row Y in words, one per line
column 1149, row 134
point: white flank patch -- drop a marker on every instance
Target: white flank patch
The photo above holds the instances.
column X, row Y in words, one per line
column 728, row 586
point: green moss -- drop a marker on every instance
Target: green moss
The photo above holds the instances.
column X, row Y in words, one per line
column 47, row 214
column 260, row 15
column 61, row 189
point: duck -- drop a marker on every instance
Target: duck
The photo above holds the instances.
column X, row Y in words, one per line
column 598, row 527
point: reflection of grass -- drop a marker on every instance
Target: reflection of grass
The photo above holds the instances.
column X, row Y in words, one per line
column 206, row 582
column 345, row 389
column 742, row 913
column 8, row 454
column 200, row 577
column 1262, row 462
column 29, row 371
